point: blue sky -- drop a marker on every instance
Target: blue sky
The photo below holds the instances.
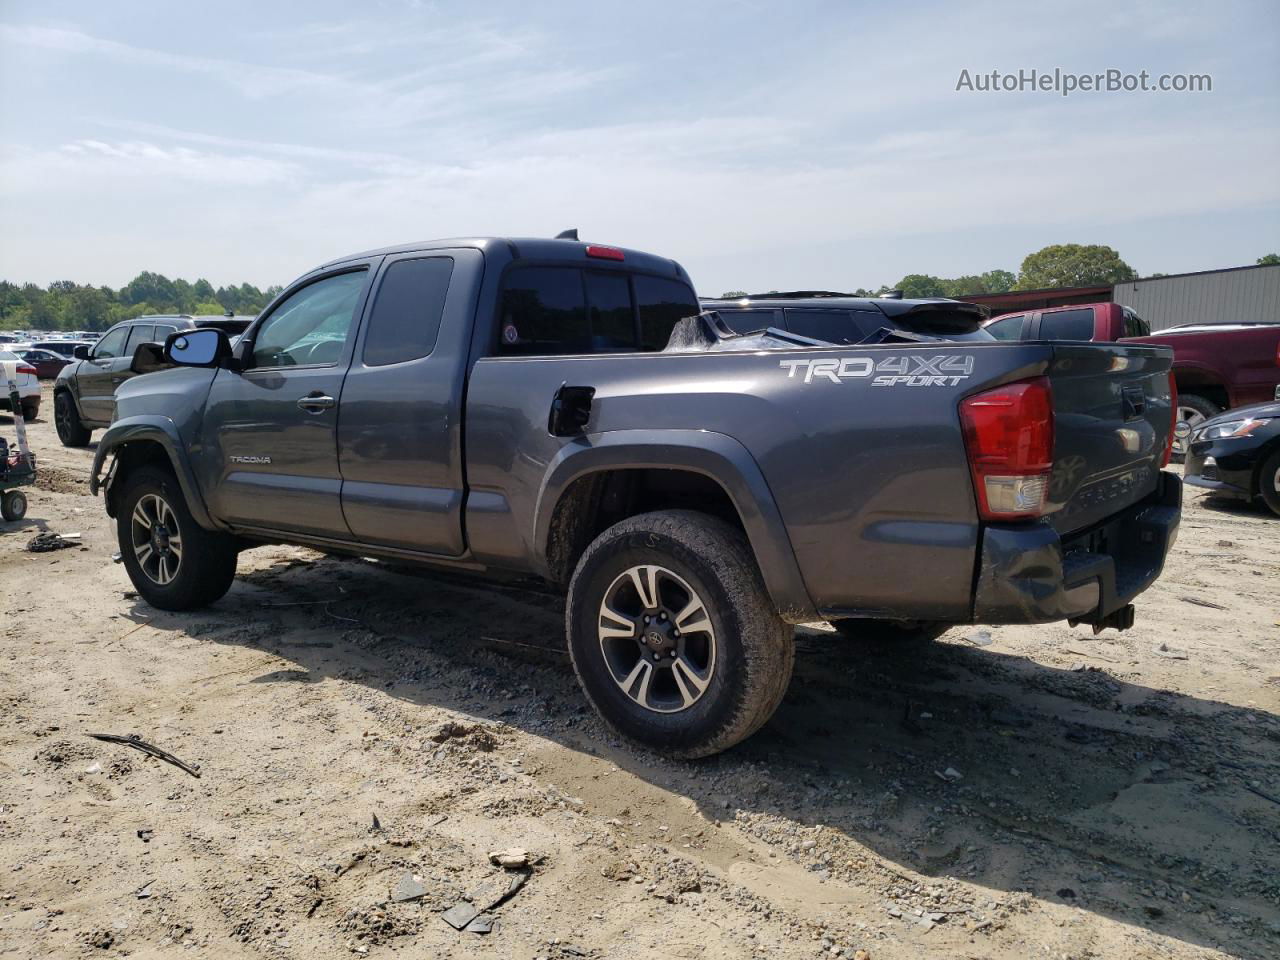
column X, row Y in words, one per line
column 764, row 145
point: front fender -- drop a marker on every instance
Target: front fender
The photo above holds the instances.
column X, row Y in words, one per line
column 152, row 428
column 714, row 455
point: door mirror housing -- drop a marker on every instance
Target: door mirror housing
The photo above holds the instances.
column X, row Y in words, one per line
column 148, row 358
column 206, row 347
column 81, row 352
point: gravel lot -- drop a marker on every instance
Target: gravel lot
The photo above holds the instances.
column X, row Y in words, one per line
column 1011, row 793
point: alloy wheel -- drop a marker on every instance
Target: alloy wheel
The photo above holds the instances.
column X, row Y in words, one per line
column 657, row 639
column 157, row 539
column 1192, row 418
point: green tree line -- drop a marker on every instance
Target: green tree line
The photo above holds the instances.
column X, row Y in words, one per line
column 66, row 305
column 1054, row 266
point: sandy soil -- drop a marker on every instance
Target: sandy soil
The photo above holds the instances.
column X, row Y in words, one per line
column 1113, row 799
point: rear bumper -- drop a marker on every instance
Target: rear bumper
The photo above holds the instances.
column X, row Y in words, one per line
column 1030, row 575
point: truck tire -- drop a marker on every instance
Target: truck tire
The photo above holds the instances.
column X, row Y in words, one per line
column 66, row 418
column 174, row 563
column 673, row 636
column 1269, row 481
column 1193, row 409
column 889, row 635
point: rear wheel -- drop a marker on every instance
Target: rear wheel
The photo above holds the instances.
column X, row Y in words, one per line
column 174, row 563
column 30, row 410
column 673, row 636
column 1269, row 482
column 1193, row 410
column 66, row 418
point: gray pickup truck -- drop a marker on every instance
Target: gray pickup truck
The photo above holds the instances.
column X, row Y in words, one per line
column 513, row 406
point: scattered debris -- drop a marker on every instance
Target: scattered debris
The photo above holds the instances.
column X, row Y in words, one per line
column 498, row 889
column 459, row 915
column 94, row 767
column 408, row 888
column 513, row 858
column 132, row 740
column 481, row 924
column 145, row 834
column 1168, row 652
column 376, row 826
column 1202, row 603
column 46, row 542
column 981, row 639
column 144, row 891
column 949, row 775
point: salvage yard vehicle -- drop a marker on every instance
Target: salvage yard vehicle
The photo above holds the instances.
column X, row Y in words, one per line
column 516, row 406
column 846, row 318
column 1237, row 454
column 84, row 392
column 24, row 375
column 1216, row 366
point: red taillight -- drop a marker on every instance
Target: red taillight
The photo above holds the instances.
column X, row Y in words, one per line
column 605, row 253
column 1008, row 433
column 1173, row 421
column 27, row 369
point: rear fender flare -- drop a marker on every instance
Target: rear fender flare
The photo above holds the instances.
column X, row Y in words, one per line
column 714, row 455
column 162, row 431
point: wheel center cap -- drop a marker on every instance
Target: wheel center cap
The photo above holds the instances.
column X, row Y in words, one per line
column 658, row 638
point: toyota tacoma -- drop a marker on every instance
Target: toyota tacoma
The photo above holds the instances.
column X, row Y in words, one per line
column 557, row 408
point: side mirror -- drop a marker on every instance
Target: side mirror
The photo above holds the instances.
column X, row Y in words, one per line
column 81, row 352
column 148, row 358
column 207, row 347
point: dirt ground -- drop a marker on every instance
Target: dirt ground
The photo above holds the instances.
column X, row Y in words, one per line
column 1011, row 793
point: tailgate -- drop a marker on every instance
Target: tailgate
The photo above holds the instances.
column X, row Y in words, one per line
column 1112, row 418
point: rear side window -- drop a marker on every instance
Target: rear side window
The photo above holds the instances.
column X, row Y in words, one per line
column 1006, row 328
column 405, row 320
column 162, row 333
column 1067, row 325
column 662, row 303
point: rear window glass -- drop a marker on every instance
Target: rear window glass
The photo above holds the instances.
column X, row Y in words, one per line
column 661, row 303
column 405, row 320
column 1067, row 325
column 613, row 322
column 1006, row 328
column 544, row 310
column 835, row 326
column 561, row 310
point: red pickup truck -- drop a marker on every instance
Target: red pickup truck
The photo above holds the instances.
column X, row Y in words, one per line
column 1217, row 366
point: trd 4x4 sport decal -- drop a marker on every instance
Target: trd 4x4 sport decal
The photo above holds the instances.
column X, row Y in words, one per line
column 908, row 370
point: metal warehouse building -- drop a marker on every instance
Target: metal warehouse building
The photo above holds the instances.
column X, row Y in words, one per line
column 1209, row 296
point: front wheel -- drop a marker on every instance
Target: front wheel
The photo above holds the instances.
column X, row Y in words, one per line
column 174, row 563
column 673, row 636
column 66, row 419
column 1269, row 482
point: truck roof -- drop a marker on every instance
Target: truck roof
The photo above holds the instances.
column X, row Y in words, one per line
column 527, row 248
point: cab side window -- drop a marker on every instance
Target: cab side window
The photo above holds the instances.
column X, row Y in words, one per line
column 1067, row 325
column 139, row 334
column 405, row 319
column 311, row 326
column 111, row 345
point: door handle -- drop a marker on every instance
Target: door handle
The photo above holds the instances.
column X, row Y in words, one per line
column 316, row 401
